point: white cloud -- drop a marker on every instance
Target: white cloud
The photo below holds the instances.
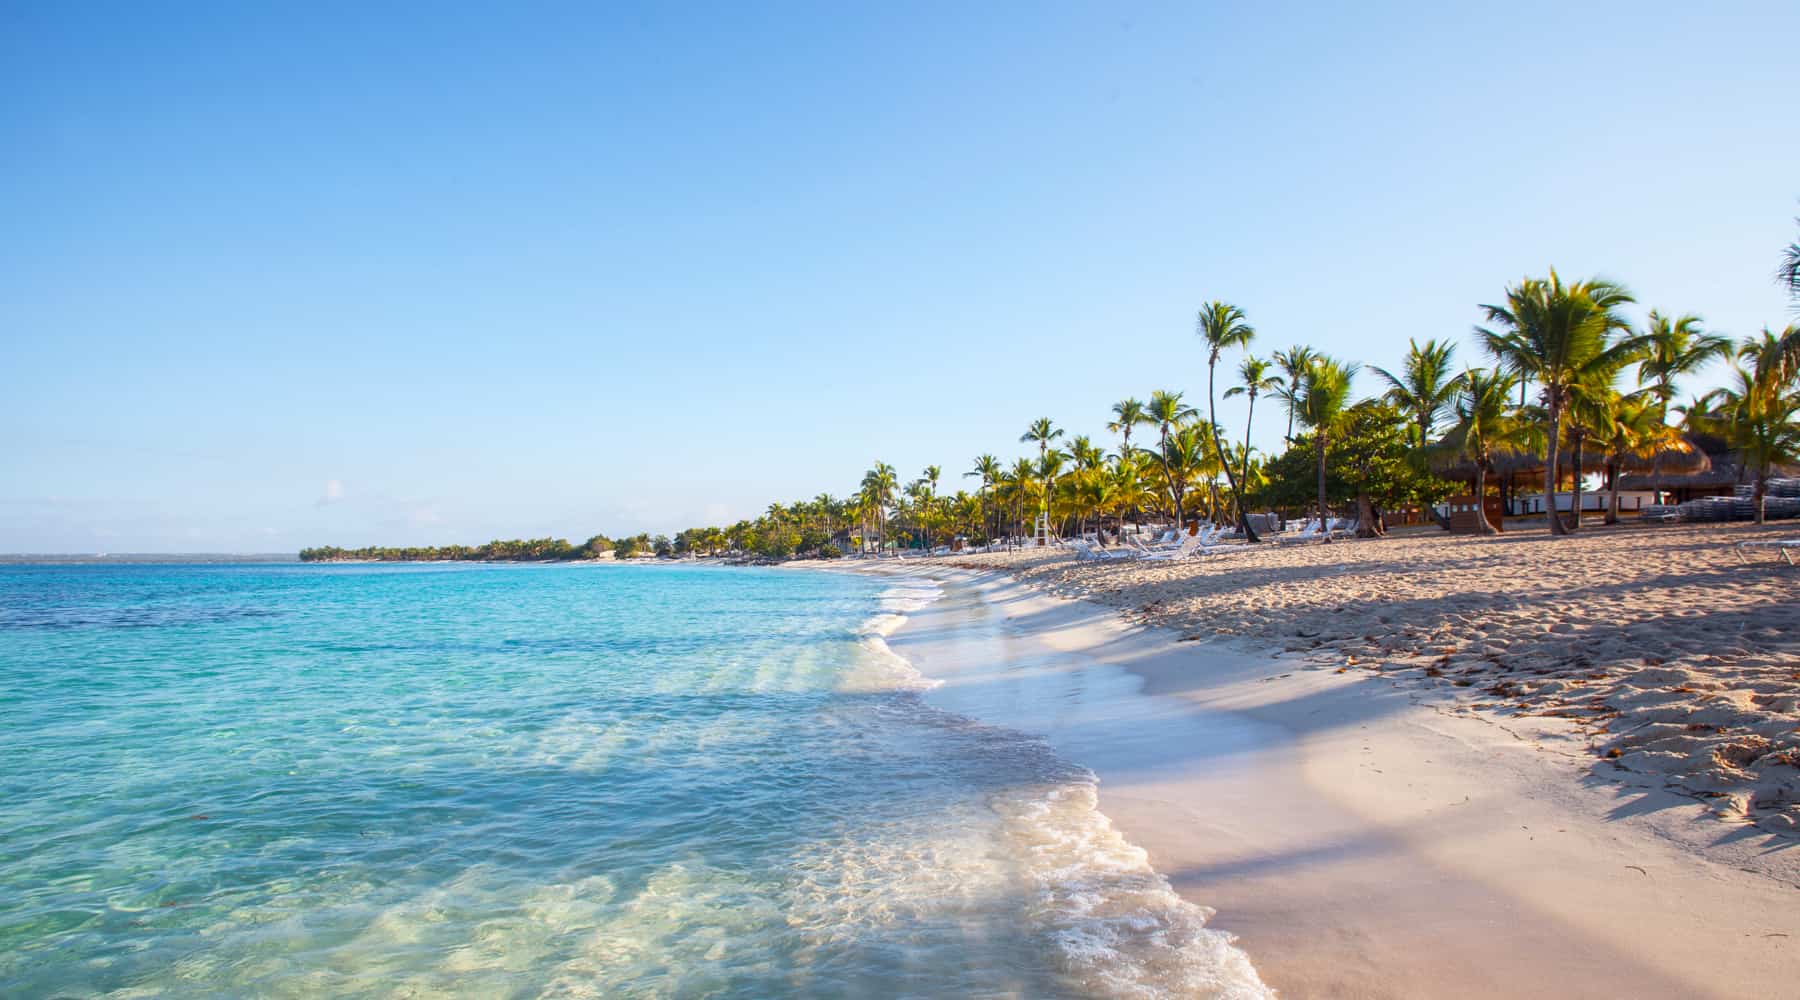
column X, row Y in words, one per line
column 334, row 492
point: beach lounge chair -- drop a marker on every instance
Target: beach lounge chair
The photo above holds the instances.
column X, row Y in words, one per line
column 1191, row 545
column 1785, row 547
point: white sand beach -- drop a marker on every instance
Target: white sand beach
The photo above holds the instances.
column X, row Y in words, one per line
column 1283, row 731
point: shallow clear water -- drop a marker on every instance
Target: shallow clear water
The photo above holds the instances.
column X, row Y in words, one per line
column 537, row 781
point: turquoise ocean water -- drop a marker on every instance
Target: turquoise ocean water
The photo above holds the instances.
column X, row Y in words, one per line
column 521, row 781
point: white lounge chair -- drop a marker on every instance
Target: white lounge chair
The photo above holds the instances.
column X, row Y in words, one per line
column 1784, row 547
column 1191, row 545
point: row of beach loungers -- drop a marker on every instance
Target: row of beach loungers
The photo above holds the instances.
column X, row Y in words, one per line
column 1209, row 539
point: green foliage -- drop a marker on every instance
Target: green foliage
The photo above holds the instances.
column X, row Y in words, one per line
column 1370, row 453
column 515, row 550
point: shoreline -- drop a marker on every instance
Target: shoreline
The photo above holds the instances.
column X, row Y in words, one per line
column 1364, row 837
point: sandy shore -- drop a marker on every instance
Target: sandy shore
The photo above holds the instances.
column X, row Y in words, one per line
column 1373, row 828
column 1679, row 663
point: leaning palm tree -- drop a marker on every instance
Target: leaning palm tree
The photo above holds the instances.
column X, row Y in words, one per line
column 1292, row 363
column 1484, row 422
column 1127, row 414
column 1759, row 412
column 1167, row 411
column 1557, row 334
column 1324, row 401
column 1257, row 380
column 1222, row 326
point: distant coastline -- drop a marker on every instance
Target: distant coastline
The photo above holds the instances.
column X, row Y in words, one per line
column 114, row 558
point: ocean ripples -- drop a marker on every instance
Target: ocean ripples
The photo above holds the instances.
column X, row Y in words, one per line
column 533, row 782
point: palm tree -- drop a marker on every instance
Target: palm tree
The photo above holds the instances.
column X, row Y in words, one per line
column 1023, row 476
column 1324, row 399
column 1222, row 325
column 1484, row 422
column 1759, row 414
column 930, row 480
column 1676, row 346
column 1293, row 363
column 1426, row 388
column 1129, row 473
column 1049, row 467
column 879, row 486
column 1127, row 414
column 1085, row 453
column 1636, row 428
column 1042, row 432
column 1166, row 410
column 1187, row 457
column 1557, row 334
column 987, row 467
column 1257, row 380
column 1789, row 272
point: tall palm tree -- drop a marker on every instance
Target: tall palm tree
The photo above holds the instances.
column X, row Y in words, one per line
column 1324, row 400
column 987, row 467
column 1223, row 326
column 1127, row 414
column 1049, row 467
column 1023, row 475
column 1484, row 422
column 929, row 478
column 1556, row 334
column 1293, row 363
column 1257, row 380
column 879, row 486
column 1042, row 432
column 1166, row 410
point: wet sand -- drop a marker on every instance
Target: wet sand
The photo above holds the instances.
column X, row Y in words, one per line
column 1363, row 834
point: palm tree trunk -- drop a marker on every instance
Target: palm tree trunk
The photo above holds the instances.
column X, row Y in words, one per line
column 1169, row 477
column 1322, row 519
column 1441, row 520
column 1249, row 420
column 1550, row 457
column 1758, row 492
column 1575, row 487
column 1225, row 460
column 1481, row 522
column 1612, row 487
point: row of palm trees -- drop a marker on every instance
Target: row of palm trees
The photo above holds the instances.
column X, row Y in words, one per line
column 1568, row 340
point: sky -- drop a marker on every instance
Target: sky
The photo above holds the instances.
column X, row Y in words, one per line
column 280, row 275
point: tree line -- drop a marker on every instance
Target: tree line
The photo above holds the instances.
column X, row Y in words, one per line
column 1565, row 377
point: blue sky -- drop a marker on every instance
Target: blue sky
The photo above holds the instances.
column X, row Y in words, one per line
column 281, row 275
